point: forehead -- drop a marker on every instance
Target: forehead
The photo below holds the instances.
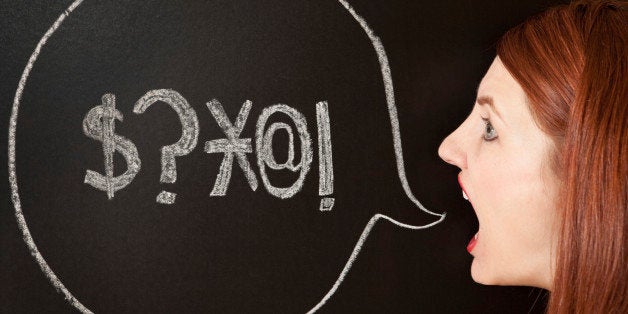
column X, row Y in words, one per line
column 507, row 94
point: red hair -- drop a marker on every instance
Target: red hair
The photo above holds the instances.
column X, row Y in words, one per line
column 572, row 63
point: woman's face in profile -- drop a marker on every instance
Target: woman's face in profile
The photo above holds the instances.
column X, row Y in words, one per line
column 505, row 174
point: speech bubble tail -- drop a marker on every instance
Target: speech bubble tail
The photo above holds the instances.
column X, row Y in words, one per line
column 358, row 247
column 396, row 134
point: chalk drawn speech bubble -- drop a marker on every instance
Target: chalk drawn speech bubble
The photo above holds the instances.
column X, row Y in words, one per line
column 396, row 141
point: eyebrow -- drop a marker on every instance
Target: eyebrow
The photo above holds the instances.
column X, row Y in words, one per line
column 488, row 100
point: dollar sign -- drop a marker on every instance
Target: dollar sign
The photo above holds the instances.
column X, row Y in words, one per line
column 99, row 124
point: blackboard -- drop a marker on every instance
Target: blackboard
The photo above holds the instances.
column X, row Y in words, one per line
column 362, row 91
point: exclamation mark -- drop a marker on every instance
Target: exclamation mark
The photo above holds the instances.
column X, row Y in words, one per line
column 325, row 165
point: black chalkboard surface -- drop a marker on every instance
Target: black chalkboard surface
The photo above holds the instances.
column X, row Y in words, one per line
column 242, row 156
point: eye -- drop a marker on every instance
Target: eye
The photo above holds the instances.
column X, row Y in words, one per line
column 489, row 133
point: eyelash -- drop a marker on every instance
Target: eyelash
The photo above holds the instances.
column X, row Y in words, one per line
column 487, row 125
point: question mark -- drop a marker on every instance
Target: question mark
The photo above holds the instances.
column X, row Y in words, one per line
column 187, row 142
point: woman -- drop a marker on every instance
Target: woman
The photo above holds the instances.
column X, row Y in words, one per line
column 544, row 159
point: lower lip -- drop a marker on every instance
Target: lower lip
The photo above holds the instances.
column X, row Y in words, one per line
column 472, row 243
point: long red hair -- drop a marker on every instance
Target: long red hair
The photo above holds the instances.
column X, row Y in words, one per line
column 572, row 63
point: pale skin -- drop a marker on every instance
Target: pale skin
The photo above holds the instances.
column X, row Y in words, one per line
column 505, row 171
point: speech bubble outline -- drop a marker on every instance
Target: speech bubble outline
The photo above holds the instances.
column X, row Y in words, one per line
column 394, row 121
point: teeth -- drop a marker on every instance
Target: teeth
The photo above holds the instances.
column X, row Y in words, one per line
column 464, row 195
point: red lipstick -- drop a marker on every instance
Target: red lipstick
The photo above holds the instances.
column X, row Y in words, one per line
column 472, row 243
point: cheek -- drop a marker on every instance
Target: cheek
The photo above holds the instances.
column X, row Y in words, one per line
column 506, row 182
column 514, row 201
column 495, row 185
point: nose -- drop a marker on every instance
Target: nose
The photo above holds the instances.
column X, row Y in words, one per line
column 451, row 150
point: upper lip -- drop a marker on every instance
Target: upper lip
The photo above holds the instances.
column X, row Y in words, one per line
column 462, row 185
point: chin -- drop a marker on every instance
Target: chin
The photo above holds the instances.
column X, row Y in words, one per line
column 478, row 274
column 486, row 275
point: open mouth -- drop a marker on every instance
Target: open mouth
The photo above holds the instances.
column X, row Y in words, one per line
column 473, row 240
